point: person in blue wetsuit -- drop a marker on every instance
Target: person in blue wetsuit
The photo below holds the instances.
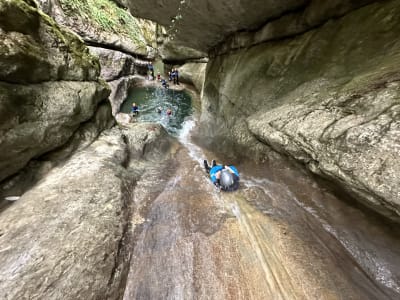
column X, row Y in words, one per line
column 224, row 177
column 134, row 109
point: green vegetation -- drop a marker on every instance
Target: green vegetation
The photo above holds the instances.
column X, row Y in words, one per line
column 105, row 15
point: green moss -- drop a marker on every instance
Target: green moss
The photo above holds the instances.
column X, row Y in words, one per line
column 105, row 15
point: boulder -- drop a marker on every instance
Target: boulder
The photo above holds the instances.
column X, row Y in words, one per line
column 69, row 229
column 114, row 64
column 123, row 119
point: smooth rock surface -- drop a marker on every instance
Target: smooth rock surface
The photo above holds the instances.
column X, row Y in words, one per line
column 120, row 89
column 69, row 236
column 63, row 238
column 203, row 24
column 193, row 73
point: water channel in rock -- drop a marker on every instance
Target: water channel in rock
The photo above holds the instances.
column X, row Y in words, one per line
column 280, row 236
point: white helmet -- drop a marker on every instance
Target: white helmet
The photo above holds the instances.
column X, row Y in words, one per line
column 226, row 179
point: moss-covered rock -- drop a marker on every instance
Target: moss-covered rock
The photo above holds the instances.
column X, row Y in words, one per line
column 103, row 22
column 49, row 84
column 33, row 48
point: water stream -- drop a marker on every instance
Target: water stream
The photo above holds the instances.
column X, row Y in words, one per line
column 280, row 236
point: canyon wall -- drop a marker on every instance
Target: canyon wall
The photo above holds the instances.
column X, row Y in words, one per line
column 328, row 97
column 49, row 85
column 123, row 44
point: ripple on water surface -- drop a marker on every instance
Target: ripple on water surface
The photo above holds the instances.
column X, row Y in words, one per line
column 149, row 99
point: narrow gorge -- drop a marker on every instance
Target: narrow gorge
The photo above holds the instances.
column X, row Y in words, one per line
column 302, row 97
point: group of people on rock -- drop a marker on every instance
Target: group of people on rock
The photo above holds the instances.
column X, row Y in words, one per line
column 173, row 76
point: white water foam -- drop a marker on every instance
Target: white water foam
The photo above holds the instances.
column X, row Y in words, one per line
column 195, row 151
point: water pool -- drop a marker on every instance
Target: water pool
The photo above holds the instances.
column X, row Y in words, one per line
column 150, row 98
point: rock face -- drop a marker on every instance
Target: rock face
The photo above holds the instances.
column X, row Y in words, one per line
column 193, row 73
column 172, row 52
column 101, row 24
column 118, row 70
column 116, row 64
column 328, row 97
column 68, row 237
column 48, row 85
column 203, row 24
column 121, row 42
column 120, row 89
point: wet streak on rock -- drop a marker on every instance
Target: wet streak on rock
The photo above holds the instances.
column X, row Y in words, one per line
column 264, row 242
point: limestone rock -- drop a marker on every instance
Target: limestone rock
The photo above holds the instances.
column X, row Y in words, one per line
column 203, row 24
column 48, row 85
column 38, row 118
column 119, row 91
column 73, row 224
column 328, row 97
column 36, row 169
column 114, row 64
column 68, row 237
column 206, row 23
column 123, row 119
column 291, row 24
column 193, row 73
column 172, row 52
column 102, row 24
column 146, row 141
column 34, row 49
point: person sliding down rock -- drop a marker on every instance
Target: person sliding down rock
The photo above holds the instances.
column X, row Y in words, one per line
column 224, row 177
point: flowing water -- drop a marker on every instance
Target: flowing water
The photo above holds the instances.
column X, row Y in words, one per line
column 280, row 236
